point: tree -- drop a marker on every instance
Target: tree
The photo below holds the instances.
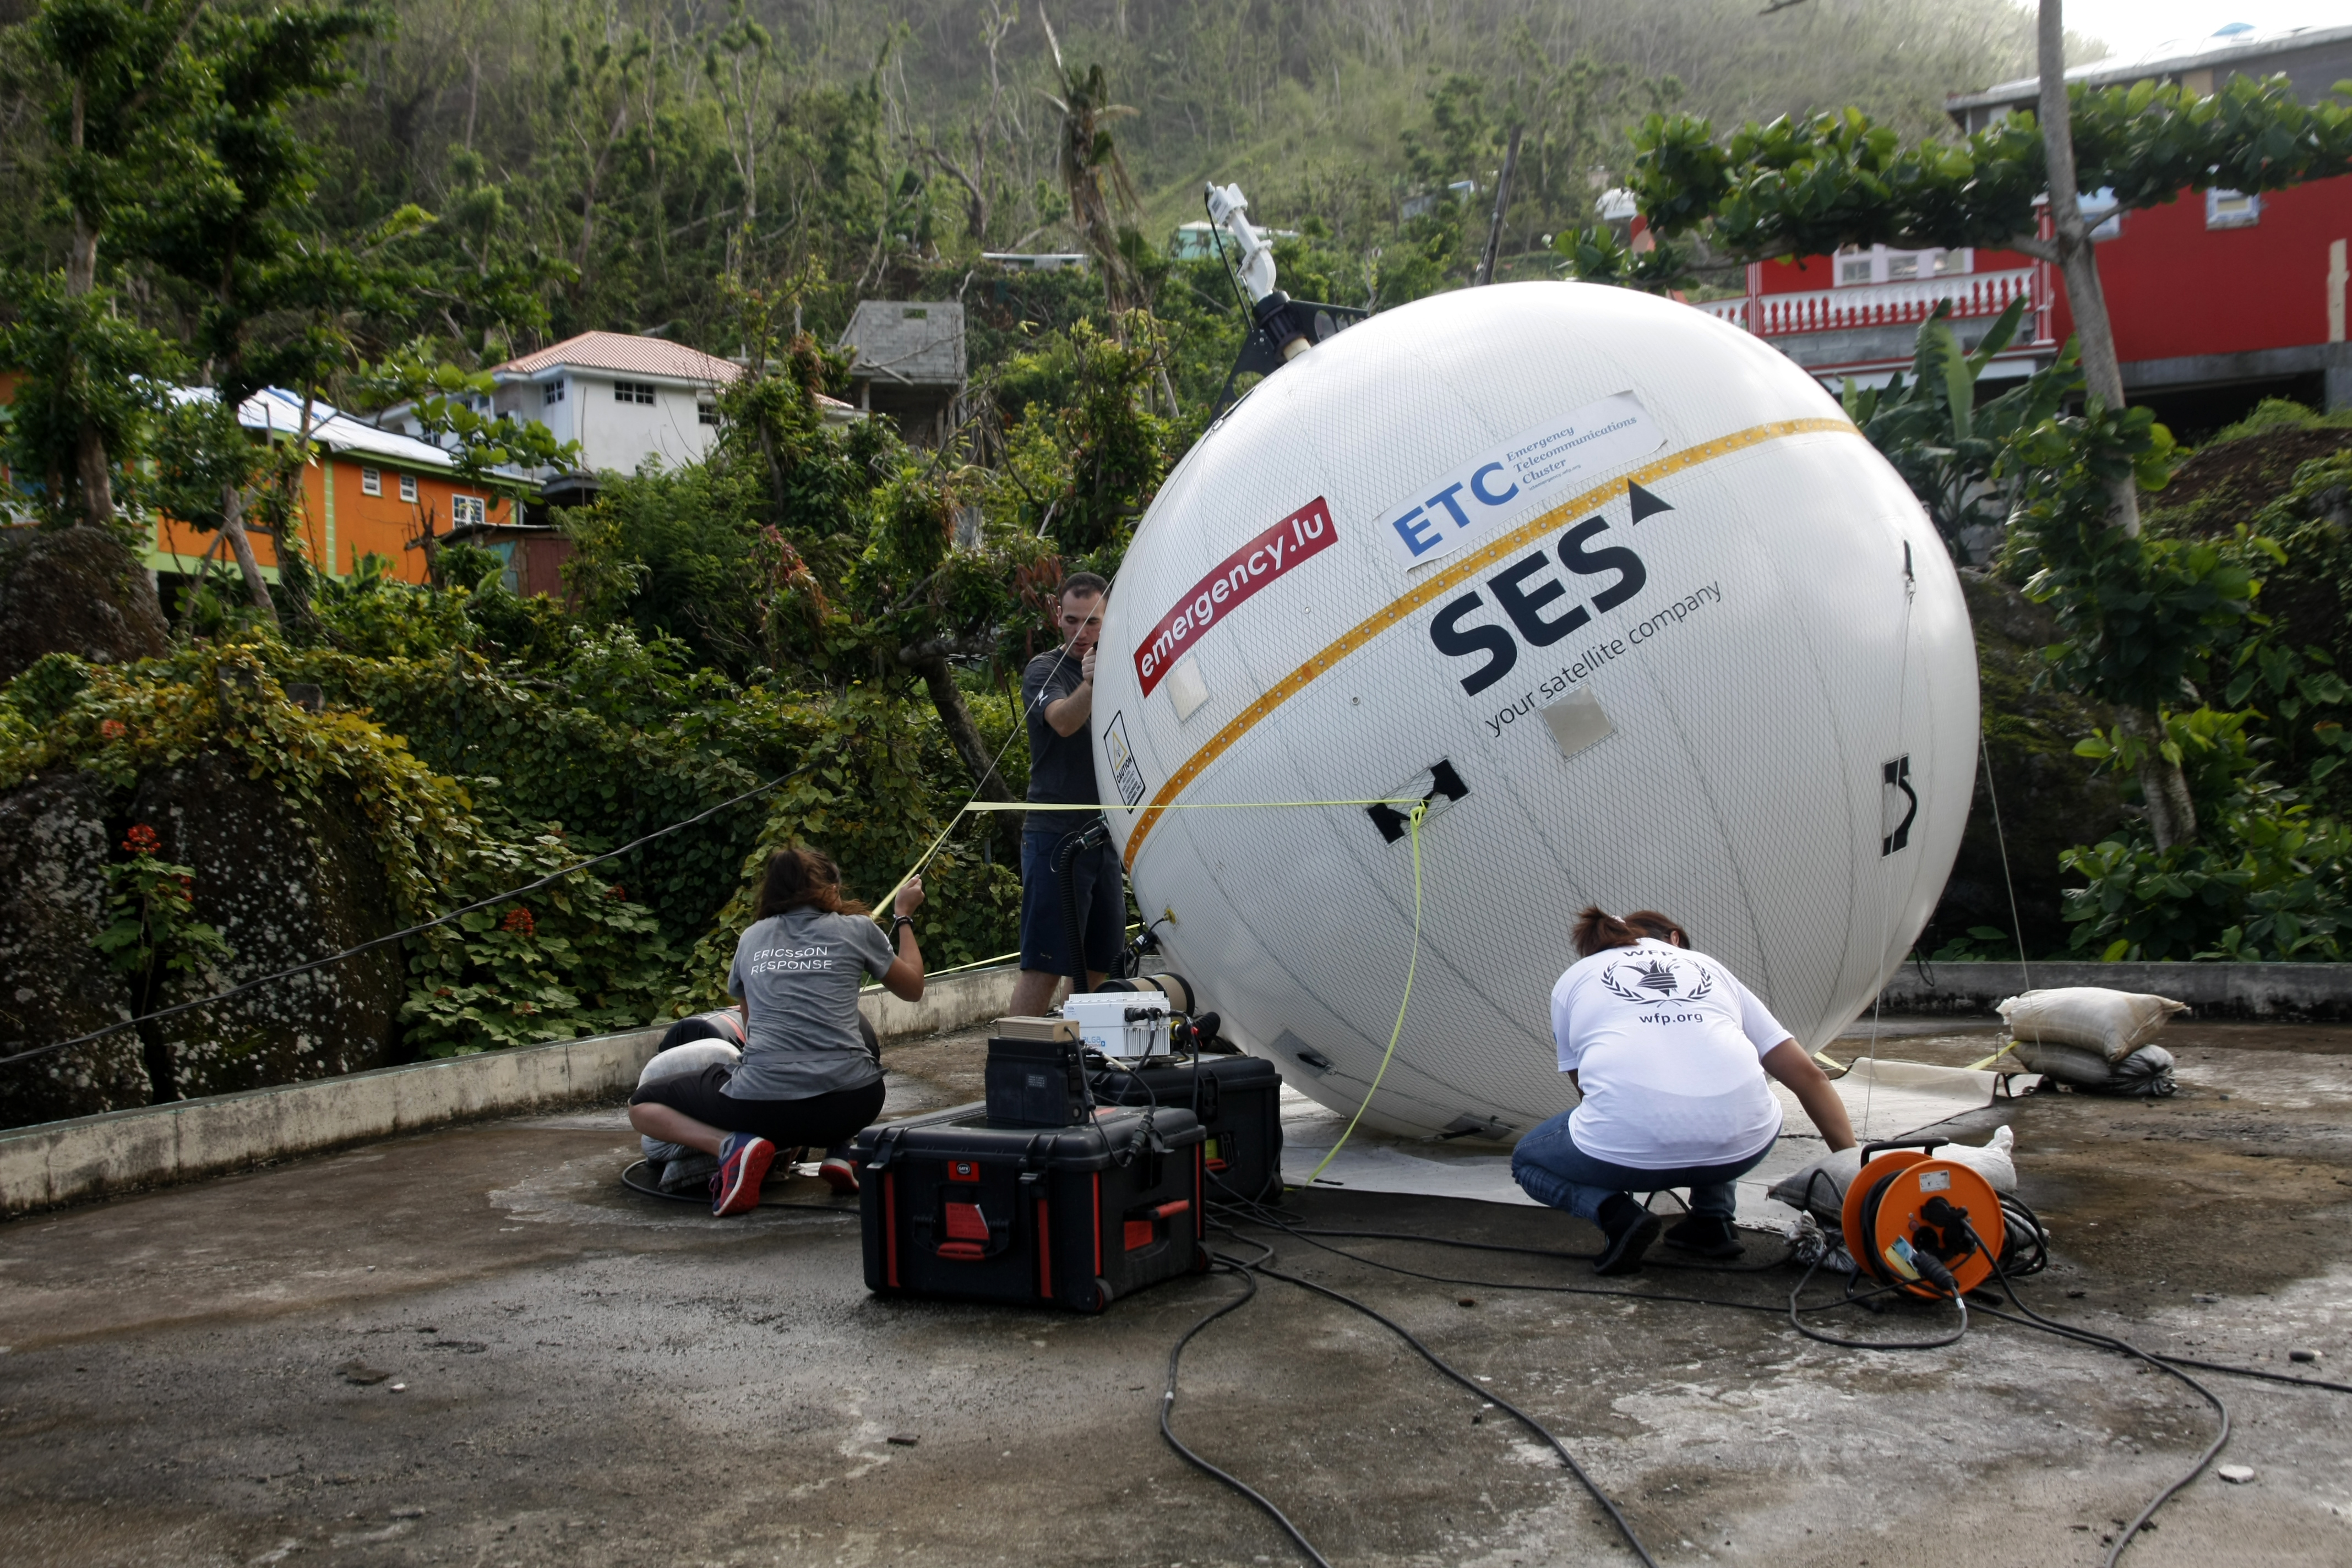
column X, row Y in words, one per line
column 122, row 73
column 738, row 62
column 272, row 298
column 1085, row 153
column 1815, row 186
column 1945, row 446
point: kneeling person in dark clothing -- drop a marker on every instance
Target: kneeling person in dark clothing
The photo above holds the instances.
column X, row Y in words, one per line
column 806, row 1076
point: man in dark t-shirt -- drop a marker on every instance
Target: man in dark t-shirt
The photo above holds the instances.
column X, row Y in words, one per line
column 1057, row 694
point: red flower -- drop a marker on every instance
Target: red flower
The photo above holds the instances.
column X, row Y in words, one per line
column 141, row 839
column 617, row 892
column 113, row 729
column 519, row 921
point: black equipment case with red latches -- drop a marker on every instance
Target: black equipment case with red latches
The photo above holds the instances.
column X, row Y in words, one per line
column 1239, row 1102
column 955, row 1205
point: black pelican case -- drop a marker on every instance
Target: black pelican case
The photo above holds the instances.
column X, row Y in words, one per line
column 957, row 1204
column 1239, row 1102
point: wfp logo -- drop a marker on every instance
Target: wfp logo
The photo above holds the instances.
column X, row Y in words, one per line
column 1660, row 977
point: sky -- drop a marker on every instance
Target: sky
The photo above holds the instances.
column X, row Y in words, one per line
column 2133, row 26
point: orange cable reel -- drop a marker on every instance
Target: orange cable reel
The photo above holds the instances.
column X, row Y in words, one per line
column 1904, row 1208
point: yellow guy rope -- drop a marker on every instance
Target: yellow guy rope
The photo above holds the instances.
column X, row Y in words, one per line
column 1420, row 810
column 1979, row 1067
column 890, row 898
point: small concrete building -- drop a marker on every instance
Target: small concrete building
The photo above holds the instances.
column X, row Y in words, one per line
column 908, row 365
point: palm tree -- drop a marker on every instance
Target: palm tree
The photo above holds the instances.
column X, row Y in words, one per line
column 1086, row 151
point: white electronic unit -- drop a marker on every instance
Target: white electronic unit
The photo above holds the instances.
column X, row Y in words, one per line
column 1125, row 1025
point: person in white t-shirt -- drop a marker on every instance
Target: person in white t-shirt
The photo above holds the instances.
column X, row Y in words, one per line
column 1669, row 1051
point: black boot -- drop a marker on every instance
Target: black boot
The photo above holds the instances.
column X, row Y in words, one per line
column 1706, row 1235
column 1629, row 1228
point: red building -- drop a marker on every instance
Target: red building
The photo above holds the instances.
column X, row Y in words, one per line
column 2218, row 300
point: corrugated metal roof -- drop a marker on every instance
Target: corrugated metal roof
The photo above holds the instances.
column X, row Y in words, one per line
column 916, row 342
column 279, row 412
column 2169, row 58
column 628, row 355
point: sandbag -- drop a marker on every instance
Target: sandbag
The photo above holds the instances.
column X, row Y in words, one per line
column 2145, row 1074
column 2113, row 1023
column 1821, row 1185
column 692, row 1057
column 2077, row 1065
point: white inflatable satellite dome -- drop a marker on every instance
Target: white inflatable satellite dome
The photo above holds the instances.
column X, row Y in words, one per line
column 1624, row 594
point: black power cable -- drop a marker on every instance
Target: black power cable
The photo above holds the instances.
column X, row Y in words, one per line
column 552, row 877
column 2122, row 1347
column 1607, row 1502
column 1168, row 1411
column 1251, row 1213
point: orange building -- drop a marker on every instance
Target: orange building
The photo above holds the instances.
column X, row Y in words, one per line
column 366, row 491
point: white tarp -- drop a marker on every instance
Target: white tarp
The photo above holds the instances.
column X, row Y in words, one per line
column 1885, row 1099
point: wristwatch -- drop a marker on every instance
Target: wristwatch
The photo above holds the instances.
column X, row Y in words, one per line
column 899, row 920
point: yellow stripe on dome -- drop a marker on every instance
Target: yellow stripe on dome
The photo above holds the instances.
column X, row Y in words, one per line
column 1380, row 620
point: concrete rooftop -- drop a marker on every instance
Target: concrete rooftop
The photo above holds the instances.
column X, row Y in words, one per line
column 592, row 1377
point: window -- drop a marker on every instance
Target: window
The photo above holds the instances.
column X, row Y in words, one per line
column 2233, row 209
column 1880, row 265
column 706, row 412
column 371, row 481
column 551, row 394
column 466, row 511
column 408, row 486
column 633, row 392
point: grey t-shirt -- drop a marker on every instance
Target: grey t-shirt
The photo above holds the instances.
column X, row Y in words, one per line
column 1061, row 767
column 798, row 974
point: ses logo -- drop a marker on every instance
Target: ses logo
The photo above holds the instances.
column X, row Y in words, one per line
column 1307, row 533
column 1529, row 592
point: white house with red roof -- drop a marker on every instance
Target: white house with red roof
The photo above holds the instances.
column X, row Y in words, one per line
column 625, row 400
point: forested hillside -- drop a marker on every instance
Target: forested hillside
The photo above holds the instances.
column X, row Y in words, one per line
column 623, row 162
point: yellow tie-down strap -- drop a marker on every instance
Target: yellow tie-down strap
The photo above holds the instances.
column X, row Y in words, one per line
column 1486, row 556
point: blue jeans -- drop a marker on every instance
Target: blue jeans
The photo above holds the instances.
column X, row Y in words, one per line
column 1551, row 1169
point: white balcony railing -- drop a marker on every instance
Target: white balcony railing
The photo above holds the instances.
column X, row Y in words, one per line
column 1874, row 304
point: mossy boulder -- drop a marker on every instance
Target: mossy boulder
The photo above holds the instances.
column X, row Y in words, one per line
column 79, row 591
column 2049, row 799
column 54, row 983
column 283, row 885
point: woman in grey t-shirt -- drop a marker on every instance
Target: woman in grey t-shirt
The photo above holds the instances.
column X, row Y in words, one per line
column 806, row 1076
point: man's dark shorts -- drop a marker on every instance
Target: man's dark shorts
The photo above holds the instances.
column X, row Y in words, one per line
column 820, row 1122
column 1102, row 906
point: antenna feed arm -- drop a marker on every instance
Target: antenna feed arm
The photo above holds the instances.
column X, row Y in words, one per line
column 1228, row 209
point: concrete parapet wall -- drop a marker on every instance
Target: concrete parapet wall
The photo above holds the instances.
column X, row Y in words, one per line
column 955, row 1002
column 54, row 1163
column 2316, row 991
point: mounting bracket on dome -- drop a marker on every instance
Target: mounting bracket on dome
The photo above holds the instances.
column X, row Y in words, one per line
column 1440, row 780
column 1281, row 328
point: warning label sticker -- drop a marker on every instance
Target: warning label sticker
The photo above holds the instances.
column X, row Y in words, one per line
column 1124, row 772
